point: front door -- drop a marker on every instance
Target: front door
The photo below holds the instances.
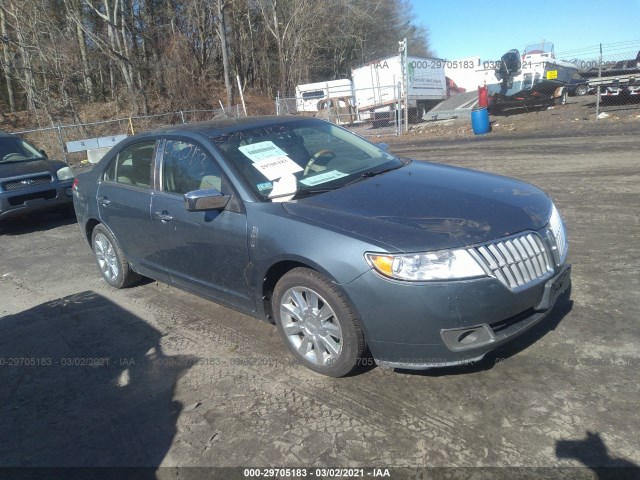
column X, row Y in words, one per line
column 206, row 252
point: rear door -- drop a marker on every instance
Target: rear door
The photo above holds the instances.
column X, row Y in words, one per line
column 206, row 252
column 124, row 203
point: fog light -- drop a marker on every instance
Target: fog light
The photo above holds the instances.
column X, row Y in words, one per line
column 69, row 192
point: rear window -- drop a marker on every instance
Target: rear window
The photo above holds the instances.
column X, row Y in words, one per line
column 315, row 94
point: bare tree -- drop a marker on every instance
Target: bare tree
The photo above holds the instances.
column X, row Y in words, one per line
column 294, row 26
column 221, row 28
column 74, row 11
column 116, row 44
column 155, row 53
column 7, row 65
column 13, row 13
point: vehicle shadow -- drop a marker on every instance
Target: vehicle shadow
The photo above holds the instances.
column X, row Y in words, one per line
column 592, row 452
column 84, row 383
column 519, row 344
column 37, row 222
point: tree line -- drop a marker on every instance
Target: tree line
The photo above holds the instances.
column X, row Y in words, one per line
column 58, row 54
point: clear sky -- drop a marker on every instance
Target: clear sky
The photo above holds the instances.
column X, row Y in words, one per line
column 468, row 28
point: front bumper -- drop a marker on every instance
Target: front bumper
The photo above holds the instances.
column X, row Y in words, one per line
column 420, row 326
column 29, row 200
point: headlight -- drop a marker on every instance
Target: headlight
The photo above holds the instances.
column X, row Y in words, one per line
column 556, row 225
column 65, row 173
column 441, row 265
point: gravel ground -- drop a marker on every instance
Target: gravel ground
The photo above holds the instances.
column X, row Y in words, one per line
column 151, row 376
column 577, row 116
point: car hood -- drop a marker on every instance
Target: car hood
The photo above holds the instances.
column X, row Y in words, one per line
column 15, row 169
column 425, row 206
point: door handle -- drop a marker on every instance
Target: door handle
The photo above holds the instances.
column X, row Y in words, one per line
column 163, row 216
column 104, row 201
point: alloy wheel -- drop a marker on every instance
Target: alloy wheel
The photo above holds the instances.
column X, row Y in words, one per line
column 311, row 325
column 106, row 257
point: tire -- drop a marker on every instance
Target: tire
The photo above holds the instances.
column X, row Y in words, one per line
column 111, row 261
column 581, row 90
column 317, row 323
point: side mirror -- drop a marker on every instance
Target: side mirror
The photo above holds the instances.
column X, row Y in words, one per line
column 44, row 154
column 383, row 146
column 203, row 200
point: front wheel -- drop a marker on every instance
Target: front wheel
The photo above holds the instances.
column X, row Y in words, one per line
column 111, row 261
column 317, row 323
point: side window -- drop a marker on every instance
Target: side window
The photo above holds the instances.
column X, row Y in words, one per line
column 187, row 167
column 132, row 166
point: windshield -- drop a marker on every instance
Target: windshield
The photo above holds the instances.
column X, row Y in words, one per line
column 14, row 149
column 298, row 158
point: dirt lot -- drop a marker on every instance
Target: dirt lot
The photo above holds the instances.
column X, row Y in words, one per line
column 577, row 116
column 151, row 376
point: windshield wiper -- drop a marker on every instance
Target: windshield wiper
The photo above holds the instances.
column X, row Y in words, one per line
column 372, row 173
column 303, row 191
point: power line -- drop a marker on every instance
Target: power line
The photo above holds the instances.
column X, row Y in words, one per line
column 615, row 46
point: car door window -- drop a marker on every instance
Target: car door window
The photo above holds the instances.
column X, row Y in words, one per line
column 132, row 166
column 187, row 167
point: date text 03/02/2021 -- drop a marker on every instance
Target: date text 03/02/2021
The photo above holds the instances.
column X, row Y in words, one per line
column 315, row 472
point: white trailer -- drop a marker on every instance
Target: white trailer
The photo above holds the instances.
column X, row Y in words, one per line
column 378, row 85
column 308, row 95
column 613, row 85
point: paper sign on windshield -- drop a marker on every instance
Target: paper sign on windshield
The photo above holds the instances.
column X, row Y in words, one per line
column 276, row 167
column 261, row 151
column 284, row 189
column 323, row 178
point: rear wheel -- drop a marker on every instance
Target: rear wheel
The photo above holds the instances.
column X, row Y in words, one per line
column 317, row 323
column 111, row 261
column 581, row 90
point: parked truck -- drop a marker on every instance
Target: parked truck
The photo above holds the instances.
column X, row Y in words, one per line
column 309, row 95
column 620, row 78
column 375, row 89
column 378, row 86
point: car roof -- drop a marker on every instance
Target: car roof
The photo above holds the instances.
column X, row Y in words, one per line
column 216, row 127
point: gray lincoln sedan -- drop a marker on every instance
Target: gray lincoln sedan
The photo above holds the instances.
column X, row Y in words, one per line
column 352, row 252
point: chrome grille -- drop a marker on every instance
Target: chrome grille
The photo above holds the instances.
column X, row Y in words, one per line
column 27, row 182
column 517, row 261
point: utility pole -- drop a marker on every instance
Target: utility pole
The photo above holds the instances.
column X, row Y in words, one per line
column 599, row 76
column 405, row 81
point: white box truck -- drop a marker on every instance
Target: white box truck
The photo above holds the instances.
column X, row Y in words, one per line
column 376, row 92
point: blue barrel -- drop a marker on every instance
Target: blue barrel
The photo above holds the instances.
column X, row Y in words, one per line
column 480, row 121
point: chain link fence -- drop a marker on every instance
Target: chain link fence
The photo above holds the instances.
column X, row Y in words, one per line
column 607, row 84
column 54, row 139
column 384, row 115
column 609, row 80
